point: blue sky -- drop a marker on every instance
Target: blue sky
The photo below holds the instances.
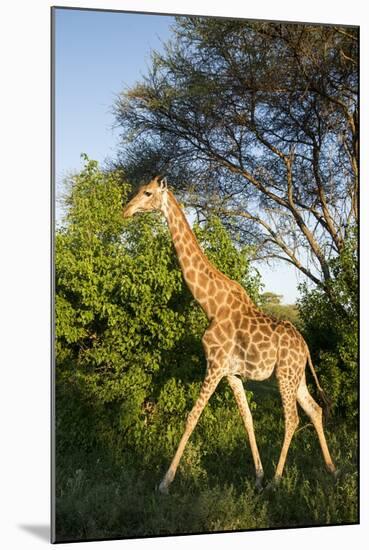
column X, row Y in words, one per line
column 97, row 54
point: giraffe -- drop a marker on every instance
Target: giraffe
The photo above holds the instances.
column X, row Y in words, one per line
column 240, row 343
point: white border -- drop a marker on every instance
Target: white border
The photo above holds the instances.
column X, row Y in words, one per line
column 25, row 102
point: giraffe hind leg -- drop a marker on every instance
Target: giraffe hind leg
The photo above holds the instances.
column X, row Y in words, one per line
column 314, row 411
column 287, row 381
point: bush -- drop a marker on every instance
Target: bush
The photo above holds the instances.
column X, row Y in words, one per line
column 330, row 325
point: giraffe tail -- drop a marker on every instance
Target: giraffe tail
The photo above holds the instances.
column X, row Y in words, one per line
column 327, row 403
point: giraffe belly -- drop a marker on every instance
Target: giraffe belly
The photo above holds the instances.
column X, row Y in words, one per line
column 251, row 370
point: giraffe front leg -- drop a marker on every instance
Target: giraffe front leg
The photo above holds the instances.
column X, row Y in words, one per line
column 207, row 389
column 243, row 406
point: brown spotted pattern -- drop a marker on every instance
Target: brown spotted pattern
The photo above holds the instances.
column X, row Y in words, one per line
column 240, row 342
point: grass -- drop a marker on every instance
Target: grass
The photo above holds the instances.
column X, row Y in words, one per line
column 214, row 487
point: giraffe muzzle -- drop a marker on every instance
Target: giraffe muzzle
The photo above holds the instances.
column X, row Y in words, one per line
column 127, row 213
column 130, row 210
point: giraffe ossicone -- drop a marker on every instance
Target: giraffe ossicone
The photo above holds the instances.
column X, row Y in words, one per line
column 241, row 342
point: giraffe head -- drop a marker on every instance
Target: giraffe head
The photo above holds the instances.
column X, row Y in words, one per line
column 150, row 197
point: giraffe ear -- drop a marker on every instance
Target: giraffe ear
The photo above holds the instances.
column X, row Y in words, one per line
column 163, row 183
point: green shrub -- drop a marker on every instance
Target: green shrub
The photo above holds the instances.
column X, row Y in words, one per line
column 330, row 325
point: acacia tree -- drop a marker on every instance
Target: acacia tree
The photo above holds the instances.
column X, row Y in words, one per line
column 257, row 122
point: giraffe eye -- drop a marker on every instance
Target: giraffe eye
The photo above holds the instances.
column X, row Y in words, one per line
column 147, row 193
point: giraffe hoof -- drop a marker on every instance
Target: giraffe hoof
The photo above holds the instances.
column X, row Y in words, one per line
column 259, row 483
column 163, row 488
column 336, row 474
column 331, row 469
column 273, row 485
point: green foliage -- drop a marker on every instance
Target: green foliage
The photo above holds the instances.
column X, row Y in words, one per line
column 331, row 328
column 111, row 328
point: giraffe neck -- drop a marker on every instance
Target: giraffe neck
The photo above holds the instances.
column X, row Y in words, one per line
column 206, row 283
